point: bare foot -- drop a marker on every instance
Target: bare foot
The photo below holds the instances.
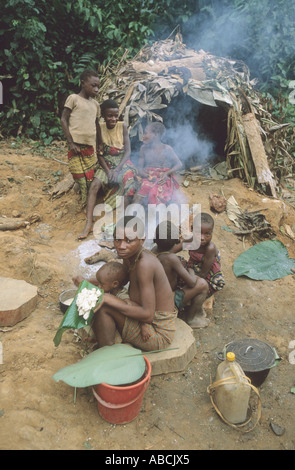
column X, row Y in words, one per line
column 103, row 255
column 88, row 229
column 198, row 321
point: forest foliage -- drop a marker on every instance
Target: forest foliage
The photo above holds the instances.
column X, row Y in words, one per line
column 46, row 45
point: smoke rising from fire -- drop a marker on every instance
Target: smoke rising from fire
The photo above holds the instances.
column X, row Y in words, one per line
column 188, row 145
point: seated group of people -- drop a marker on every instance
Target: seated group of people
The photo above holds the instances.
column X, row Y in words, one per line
column 162, row 285
column 152, row 181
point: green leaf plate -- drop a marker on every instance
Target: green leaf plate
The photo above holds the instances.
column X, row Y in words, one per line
column 71, row 318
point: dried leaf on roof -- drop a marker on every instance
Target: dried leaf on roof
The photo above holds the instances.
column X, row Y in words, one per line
column 163, row 70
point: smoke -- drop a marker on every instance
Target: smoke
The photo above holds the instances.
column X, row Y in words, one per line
column 258, row 33
column 222, row 34
column 187, row 139
column 190, row 148
column 185, row 132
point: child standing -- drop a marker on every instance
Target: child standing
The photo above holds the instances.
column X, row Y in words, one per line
column 80, row 123
column 116, row 173
column 156, row 166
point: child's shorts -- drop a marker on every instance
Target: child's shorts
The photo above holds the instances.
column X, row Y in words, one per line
column 178, row 299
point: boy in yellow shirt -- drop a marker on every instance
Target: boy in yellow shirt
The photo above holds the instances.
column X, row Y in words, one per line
column 80, row 123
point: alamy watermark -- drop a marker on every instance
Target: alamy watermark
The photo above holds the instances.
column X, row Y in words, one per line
column 182, row 217
column 1, row 93
column 291, row 96
column 292, row 353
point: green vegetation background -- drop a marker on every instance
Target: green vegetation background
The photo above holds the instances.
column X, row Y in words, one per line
column 46, row 45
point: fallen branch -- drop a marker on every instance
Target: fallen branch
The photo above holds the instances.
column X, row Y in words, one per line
column 252, row 230
column 7, row 223
column 57, row 160
column 12, row 224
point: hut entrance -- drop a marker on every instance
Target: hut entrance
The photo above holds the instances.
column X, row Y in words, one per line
column 197, row 132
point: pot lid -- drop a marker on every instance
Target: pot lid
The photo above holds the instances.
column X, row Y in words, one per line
column 253, row 355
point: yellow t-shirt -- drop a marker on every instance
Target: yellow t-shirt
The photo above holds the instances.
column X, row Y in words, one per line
column 113, row 137
column 82, row 124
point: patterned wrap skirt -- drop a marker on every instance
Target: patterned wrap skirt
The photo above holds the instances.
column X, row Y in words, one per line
column 126, row 179
column 215, row 277
column 82, row 167
column 157, row 193
column 161, row 331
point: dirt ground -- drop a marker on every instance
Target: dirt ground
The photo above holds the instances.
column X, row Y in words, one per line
column 36, row 413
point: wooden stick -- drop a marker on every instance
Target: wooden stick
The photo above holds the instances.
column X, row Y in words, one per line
column 255, row 229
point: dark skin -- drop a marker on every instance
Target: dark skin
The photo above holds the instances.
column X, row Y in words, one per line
column 207, row 248
column 111, row 117
column 195, row 288
column 89, row 89
column 105, row 279
column 153, row 153
column 149, row 290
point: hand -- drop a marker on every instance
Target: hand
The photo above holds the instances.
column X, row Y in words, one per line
column 77, row 280
column 143, row 174
column 163, row 178
column 111, row 176
column 104, row 300
column 100, row 150
column 75, row 148
column 98, row 307
column 145, row 337
column 144, row 333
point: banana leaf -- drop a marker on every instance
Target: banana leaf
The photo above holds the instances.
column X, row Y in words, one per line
column 268, row 260
column 114, row 365
column 71, row 318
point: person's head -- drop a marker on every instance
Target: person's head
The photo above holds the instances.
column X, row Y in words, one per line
column 129, row 236
column 110, row 113
column 112, row 276
column 154, row 130
column 204, row 223
column 89, row 80
column 166, row 236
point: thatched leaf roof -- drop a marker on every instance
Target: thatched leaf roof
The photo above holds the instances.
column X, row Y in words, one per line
column 160, row 72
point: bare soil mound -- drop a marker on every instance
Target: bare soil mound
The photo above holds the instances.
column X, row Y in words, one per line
column 37, row 413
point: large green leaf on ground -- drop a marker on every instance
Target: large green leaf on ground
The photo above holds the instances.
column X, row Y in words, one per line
column 114, row 365
column 71, row 318
column 267, row 260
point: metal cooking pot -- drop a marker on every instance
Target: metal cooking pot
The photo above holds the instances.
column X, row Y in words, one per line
column 65, row 295
column 254, row 356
